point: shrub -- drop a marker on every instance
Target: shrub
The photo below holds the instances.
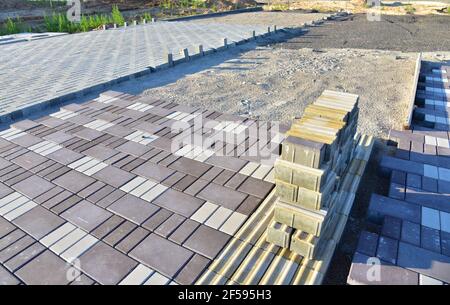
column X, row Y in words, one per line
column 117, row 16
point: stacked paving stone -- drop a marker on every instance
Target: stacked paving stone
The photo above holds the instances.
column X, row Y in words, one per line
column 316, row 152
column 409, row 229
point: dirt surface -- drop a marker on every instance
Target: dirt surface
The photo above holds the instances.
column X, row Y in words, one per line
column 281, row 19
column 279, row 84
column 360, row 6
column 401, row 33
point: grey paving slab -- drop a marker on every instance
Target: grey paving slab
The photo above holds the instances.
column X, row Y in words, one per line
column 162, row 255
column 105, row 264
column 88, row 60
column 46, row 269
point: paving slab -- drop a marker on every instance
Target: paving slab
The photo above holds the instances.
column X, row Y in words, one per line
column 105, row 264
column 162, row 255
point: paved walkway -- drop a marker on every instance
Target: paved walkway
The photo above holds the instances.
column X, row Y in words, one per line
column 412, row 241
column 35, row 72
column 95, row 193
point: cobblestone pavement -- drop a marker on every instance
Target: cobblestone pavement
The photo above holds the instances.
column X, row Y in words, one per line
column 38, row 71
column 95, row 193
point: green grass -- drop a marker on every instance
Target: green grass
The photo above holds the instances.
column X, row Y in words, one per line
column 13, row 26
column 409, row 9
column 448, row 10
column 117, row 16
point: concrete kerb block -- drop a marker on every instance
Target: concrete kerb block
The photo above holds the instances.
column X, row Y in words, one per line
column 104, row 27
column 125, row 24
column 135, row 22
column 170, row 59
column 153, row 20
column 115, row 26
column 185, row 53
column 200, row 50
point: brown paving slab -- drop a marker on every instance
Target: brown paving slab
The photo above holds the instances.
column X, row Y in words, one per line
column 48, row 195
column 57, row 173
column 91, row 189
column 230, row 163
column 83, row 280
column 4, row 190
column 160, row 157
column 157, row 219
column 55, row 200
column 222, row 196
column 11, row 238
column 249, row 205
column 38, row 222
column 207, row 241
column 153, row 171
column 256, row 187
column 173, row 179
column 15, row 248
column 235, row 181
column 133, row 148
column 24, row 257
column 58, row 137
column 133, row 239
column 105, row 264
column 45, row 269
column 113, row 176
column 133, row 164
column 5, row 227
column 148, row 127
column 133, row 208
column 162, row 143
column 74, row 181
column 184, row 183
column 191, row 167
column 100, row 194
column 108, row 226
column 88, row 134
column 66, row 204
column 119, row 131
column 170, row 225
column 4, row 163
column 65, row 156
column 86, row 215
column 161, row 255
column 223, row 177
column 33, row 186
column 196, row 187
column 26, row 140
column 193, row 269
column 182, row 233
column 25, row 124
column 7, row 278
column 110, row 198
column 100, row 152
column 178, row 202
column 119, row 233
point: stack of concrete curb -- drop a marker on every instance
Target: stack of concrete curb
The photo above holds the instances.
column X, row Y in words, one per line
column 317, row 151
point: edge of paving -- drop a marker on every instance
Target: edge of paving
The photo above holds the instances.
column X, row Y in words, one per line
column 412, row 99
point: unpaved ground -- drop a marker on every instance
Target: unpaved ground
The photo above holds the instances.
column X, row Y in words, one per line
column 280, row 83
column 359, row 6
column 282, row 19
column 402, row 33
